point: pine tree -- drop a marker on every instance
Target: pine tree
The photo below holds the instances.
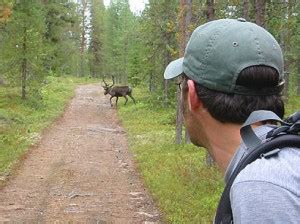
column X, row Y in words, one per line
column 23, row 55
column 97, row 38
column 118, row 39
column 159, row 36
column 62, row 36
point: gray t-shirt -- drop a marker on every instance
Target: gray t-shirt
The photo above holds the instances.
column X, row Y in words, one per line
column 267, row 190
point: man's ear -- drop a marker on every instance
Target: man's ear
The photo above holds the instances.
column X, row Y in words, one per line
column 194, row 101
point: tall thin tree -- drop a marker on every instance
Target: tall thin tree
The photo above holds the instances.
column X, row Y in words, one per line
column 246, row 9
column 185, row 17
column 22, row 56
column 97, row 37
column 260, row 6
column 83, row 44
column 210, row 12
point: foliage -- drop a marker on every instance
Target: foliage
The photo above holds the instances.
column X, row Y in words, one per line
column 62, row 37
column 159, row 28
column 5, row 11
column 97, row 38
column 24, row 52
column 118, row 40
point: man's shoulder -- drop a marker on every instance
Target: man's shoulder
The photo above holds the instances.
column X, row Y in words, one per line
column 268, row 190
column 281, row 170
column 262, row 202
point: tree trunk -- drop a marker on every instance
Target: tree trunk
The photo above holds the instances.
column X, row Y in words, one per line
column 24, row 66
column 209, row 160
column 185, row 20
column 124, row 74
column 285, row 45
column 83, row 38
column 188, row 20
column 24, row 77
column 210, row 12
column 179, row 116
column 286, row 83
column 166, row 82
column 246, row 9
column 187, row 137
column 286, row 65
column 166, row 90
column 151, row 83
column 210, row 15
column 260, row 6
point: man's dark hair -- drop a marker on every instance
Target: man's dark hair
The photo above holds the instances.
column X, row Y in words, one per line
column 234, row 108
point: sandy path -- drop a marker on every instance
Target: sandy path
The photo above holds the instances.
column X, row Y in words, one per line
column 80, row 172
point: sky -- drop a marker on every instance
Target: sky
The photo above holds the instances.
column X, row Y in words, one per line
column 136, row 6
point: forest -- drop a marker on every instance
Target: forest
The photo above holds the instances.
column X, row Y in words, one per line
column 87, row 39
column 49, row 46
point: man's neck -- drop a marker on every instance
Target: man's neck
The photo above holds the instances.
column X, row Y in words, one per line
column 223, row 140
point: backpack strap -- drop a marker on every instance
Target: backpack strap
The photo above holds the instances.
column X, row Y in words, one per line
column 278, row 138
column 248, row 136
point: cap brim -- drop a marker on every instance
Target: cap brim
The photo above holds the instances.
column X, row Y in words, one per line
column 174, row 69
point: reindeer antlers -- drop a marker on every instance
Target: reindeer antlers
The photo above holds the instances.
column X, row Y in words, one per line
column 113, row 79
column 106, row 85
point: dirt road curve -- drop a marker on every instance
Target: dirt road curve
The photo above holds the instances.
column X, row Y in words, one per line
column 80, row 172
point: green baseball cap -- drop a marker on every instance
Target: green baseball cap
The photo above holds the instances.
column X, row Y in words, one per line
column 219, row 50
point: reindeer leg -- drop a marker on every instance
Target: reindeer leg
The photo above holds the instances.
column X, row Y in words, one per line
column 117, row 101
column 126, row 100
column 110, row 101
column 132, row 98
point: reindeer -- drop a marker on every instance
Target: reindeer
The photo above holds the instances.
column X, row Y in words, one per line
column 117, row 91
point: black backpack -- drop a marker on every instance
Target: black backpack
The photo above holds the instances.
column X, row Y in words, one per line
column 286, row 135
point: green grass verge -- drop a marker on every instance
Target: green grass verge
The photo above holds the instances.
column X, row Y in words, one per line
column 22, row 121
column 187, row 191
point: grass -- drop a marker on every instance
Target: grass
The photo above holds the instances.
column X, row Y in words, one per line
column 22, row 121
column 186, row 190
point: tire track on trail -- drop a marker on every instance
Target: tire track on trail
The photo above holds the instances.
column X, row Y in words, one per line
column 80, row 172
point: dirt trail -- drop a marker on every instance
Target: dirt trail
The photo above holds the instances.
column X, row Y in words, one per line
column 80, row 172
